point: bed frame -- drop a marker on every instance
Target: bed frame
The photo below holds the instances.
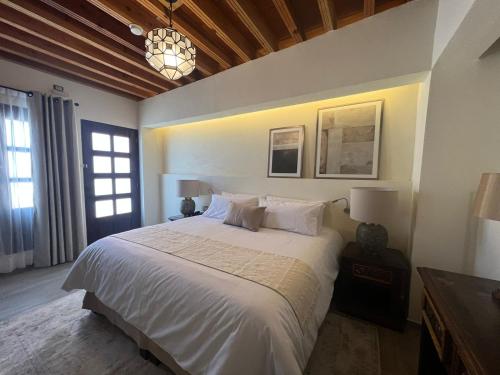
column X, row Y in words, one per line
column 148, row 349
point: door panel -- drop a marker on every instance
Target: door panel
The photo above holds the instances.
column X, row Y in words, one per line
column 111, row 179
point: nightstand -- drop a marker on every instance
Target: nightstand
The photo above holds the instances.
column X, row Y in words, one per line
column 374, row 288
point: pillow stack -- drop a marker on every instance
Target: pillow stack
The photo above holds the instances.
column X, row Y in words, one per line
column 251, row 212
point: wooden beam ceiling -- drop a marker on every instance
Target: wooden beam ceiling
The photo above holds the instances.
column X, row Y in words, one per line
column 249, row 15
column 328, row 14
column 287, row 14
column 211, row 16
column 35, row 18
column 369, row 8
column 90, row 40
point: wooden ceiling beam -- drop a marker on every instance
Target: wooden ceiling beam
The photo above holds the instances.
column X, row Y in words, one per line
column 249, row 15
column 328, row 14
column 287, row 14
column 40, row 20
column 64, row 74
column 70, row 58
column 150, row 15
column 212, row 17
column 369, row 8
column 96, row 19
column 33, row 54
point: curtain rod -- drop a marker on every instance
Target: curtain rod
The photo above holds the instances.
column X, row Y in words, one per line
column 29, row 93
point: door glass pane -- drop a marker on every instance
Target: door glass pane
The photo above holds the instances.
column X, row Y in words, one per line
column 21, row 194
column 102, row 164
column 101, row 142
column 104, row 208
column 122, row 165
column 123, row 205
column 122, row 186
column 103, row 186
column 19, row 164
column 121, row 144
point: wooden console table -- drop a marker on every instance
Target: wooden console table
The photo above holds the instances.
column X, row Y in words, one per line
column 460, row 331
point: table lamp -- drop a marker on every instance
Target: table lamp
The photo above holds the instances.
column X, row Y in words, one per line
column 487, row 204
column 188, row 189
column 372, row 206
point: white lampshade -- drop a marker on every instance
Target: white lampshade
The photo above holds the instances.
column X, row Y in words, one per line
column 188, row 188
column 374, row 205
column 487, row 205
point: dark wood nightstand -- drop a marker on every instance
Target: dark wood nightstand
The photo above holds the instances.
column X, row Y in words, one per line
column 375, row 288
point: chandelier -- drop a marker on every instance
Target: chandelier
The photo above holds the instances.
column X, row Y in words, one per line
column 170, row 52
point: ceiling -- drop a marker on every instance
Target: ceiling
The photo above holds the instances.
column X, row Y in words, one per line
column 90, row 41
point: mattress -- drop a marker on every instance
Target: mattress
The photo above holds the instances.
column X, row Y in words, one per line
column 211, row 322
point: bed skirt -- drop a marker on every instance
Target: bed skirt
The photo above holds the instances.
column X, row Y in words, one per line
column 91, row 302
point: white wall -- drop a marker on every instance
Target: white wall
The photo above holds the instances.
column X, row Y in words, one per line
column 152, row 166
column 95, row 104
column 391, row 44
column 450, row 14
column 232, row 153
column 462, row 140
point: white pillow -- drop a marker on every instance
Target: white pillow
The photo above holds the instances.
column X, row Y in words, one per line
column 294, row 217
column 272, row 198
column 220, row 205
column 283, row 199
column 239, row 195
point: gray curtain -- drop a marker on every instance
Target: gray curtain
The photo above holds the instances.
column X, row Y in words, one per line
column 16, row 189
column 58, row 234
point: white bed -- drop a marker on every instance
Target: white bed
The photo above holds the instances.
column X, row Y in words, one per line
column 208, row 321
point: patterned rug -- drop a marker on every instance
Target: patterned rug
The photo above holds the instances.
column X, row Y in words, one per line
column 61, row 338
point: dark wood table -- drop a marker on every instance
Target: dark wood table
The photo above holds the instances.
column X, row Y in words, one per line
column 460, row 325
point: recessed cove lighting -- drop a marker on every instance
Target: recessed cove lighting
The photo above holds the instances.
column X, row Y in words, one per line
column 135, row 29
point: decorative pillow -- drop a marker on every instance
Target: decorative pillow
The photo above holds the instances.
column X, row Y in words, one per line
column 243, row 215
column 219, row 205
column 294, row 217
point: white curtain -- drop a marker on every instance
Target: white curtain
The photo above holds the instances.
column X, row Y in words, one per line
column 16, row 184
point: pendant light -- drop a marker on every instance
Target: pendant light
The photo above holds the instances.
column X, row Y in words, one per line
column 170, row 52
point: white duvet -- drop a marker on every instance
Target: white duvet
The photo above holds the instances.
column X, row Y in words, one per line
column 209, row 321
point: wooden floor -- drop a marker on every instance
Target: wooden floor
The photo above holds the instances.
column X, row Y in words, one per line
column 23, row 290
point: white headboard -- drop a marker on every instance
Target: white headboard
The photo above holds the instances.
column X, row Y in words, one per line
column 302, row 188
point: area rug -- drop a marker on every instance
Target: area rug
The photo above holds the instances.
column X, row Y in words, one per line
column 61, row 338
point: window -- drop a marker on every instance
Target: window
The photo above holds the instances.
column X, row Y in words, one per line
column 17, row 133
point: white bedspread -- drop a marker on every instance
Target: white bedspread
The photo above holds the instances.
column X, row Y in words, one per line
column 209, row 321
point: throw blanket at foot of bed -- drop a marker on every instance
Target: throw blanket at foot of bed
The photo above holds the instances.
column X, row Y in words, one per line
column 291, row 278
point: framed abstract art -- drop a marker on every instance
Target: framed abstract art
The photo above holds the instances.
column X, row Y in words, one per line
column 348, row 141
column 286, row 150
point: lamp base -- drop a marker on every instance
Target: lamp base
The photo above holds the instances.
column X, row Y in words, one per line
column 187, row 207
column 372, row 238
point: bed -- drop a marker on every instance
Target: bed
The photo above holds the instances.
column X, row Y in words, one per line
column 205, row 318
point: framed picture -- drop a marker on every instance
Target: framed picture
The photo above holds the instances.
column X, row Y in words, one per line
column 348, row 141
column 286, row 150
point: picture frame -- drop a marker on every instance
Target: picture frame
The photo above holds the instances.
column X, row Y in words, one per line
column 348, row 141
column 286, row 152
